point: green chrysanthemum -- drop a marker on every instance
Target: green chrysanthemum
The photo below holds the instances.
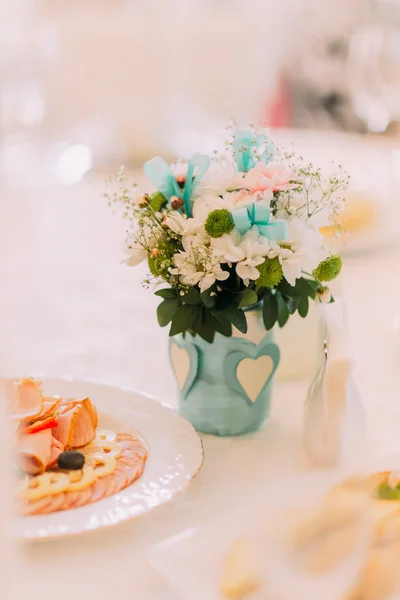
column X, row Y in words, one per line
column 158, row 200
column 328, row 269
column 158, row 266
column 218, row 222
column 159, row 259
column 153, row 266
column 270, row 273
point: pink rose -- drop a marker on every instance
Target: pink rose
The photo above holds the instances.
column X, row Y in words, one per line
column 266, row 179
column 241, row 198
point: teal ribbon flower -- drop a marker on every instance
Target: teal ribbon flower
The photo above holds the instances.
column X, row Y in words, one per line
column 160, row 174
column 246, row 144
column 259, row 214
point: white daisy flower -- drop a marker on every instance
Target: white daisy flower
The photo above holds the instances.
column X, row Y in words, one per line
column 221, row 176
column 247, row 251
column 197, row 266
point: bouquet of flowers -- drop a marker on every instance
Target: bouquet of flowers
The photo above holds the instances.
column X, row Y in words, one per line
column 231, row 231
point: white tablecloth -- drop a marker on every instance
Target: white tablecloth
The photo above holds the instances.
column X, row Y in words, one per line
column 68, row 307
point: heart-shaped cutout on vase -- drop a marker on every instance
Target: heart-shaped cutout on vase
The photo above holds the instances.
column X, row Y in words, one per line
column 249, row 375
column 185, row 363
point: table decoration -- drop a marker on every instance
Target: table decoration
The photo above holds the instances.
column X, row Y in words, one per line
column 236, row 236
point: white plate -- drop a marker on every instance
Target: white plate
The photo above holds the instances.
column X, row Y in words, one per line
column 175, row 456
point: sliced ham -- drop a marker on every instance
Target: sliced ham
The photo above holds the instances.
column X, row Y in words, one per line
column 66, row 425
column 49, row 412
column 37, row 507
column 98, row 490
column 83, row 497
column 34, row 451
column 37, row 451
column 55, row 451
column 27, row 399
column 35, row 426
column 77, row 424
column 50, row 406
column 87, row 403
column 128, row 469
column 56, row 503
column 92, row 411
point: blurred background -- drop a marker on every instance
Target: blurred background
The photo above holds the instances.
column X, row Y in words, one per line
column 88, row 86
column 110, row 81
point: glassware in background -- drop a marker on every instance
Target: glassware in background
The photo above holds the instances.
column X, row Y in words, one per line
column 120, row 81
column 28, row 48
column 35, row 152
column 315, row 65
column 373, row 66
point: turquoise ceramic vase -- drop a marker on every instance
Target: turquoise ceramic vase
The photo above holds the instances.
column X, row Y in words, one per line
column 225, row 387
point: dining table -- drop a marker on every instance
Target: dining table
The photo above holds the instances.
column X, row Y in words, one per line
column 70, row 307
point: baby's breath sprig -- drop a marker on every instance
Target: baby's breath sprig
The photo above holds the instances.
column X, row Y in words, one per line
column 313, row 192
column 123, row 195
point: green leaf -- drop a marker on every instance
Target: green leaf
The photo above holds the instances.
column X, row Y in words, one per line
column 289, row 290
column 221, row 324
column 192, row 297
column 206, row 331
column 303, row 287
column 237, row 317
column 283, row 311
column 314, row 284
column 157, row 201
column 303, row 307
column 270, row 310
column 166, row 293
column 184, row 319
column 199, row 320
column 249, row 298
column 292, row 304
column 306, row 287
column 226, row 299
column 166, row 310
column 208, row 300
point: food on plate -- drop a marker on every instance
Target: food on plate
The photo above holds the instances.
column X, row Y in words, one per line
column 360, row 513
column 326, row 535
column 346, row 530
column 64, row 460
column 25, row 399
column 241, row 573
column 37, row 451
column 380, row 576
column 386, row 485
column 372, row 526
column 360, row 214
column 71, row 459
column 76, row 423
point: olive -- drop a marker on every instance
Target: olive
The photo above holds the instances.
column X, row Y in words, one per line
column 71, row 460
